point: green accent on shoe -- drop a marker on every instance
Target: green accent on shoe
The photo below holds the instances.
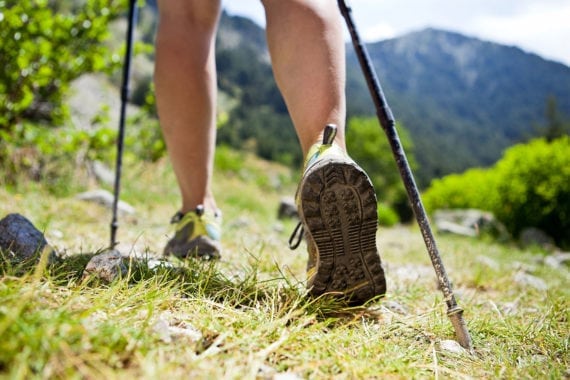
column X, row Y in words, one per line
column 197, row 234
column 338, row 209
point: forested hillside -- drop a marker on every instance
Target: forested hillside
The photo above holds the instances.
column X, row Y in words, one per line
column 463, row 100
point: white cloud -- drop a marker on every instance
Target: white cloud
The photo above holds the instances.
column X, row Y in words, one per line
column 377, row 32
column 541, row 27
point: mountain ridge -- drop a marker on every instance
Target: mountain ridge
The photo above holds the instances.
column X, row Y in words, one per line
column 463, row 99
column 464, row 90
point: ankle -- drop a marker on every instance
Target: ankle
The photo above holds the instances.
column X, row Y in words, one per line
column 207, row 204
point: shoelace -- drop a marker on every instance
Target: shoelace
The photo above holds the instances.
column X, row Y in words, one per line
column 298, row 234
column 199, row 211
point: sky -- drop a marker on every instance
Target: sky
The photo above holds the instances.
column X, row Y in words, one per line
column 536, row 26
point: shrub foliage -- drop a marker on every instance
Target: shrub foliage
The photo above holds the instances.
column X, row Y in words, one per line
column 528, row 187
column 44, row 47
column 368, row 145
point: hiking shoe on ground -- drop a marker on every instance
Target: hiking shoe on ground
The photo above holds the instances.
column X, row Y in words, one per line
column 338, row 211
column 197, row 235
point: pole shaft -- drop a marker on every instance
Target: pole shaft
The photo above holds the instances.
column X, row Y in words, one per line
column 122, row 119
column 388, row 123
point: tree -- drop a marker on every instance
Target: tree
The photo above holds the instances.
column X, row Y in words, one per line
column 368, row 146
column 556, row 126
column 43, row 49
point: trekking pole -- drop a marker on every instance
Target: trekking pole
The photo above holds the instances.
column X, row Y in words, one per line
column 124, row 99
column 454, row 312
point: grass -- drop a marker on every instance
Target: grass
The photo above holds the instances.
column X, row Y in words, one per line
column 247, row 316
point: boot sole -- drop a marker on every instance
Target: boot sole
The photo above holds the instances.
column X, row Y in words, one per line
column 339, row 210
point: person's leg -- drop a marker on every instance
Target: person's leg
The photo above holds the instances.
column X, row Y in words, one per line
column 307, row 51
column 335, row 198
column 185, row 81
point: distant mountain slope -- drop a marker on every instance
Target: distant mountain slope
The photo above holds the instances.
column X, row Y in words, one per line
column 463, row 99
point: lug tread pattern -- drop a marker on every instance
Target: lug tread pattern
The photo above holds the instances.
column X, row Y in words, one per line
column 338, row 206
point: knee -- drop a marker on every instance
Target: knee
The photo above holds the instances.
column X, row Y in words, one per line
column 200, row 16
column 319, row 11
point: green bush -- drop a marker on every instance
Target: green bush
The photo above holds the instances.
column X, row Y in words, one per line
column 476, row 188
column 534, row 190
column 528, row 187
column 54, row 156
column 387, row 216
column 367, row 144
column 228, row 160
column 43, row 49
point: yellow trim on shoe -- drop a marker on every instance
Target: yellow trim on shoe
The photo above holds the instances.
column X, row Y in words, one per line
column 197, row 234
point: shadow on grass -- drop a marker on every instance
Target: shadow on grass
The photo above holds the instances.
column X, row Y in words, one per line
column 200, row 279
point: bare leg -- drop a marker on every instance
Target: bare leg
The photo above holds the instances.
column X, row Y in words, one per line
column 307, row 50
column 336, row 200
column 185, row 80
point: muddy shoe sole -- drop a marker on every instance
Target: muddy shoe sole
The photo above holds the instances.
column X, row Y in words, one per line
column 339, row 210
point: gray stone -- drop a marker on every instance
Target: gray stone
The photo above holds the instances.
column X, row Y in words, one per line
column 105, row 198
column 103, row 173
column 510, row 308
column 444, row 226
column 107, row 266
column 557, row 259
column 532, row 236
column 396, row 307
column 287, row 208
column 527, row 280
column 167, row 331
column 452, row 346
column 469, row 222
column 488, row 262
column 22, row 241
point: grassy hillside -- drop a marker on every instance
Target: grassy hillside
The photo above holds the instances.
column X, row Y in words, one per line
column 246, row 316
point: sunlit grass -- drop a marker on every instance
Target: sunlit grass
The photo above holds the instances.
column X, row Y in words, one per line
column 248, row 316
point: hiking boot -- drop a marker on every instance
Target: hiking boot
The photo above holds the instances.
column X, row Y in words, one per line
column 197, row 235
column 338, row 211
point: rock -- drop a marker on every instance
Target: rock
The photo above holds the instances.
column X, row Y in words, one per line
column 557, row 259
column 168, row 332
column 155, row 264
column 162, row 329
column 510, row 308
column 287, row 208
column 22, row 241
column 527, row 280
column 444, row 226
column 469, row 222
column 395, row 307
column 411, row 273
column 92, row 97
column 105, row 198
column 488, row 262
column 107, row 266
column 532, row 236
column 452, row 347
column 103, row 173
